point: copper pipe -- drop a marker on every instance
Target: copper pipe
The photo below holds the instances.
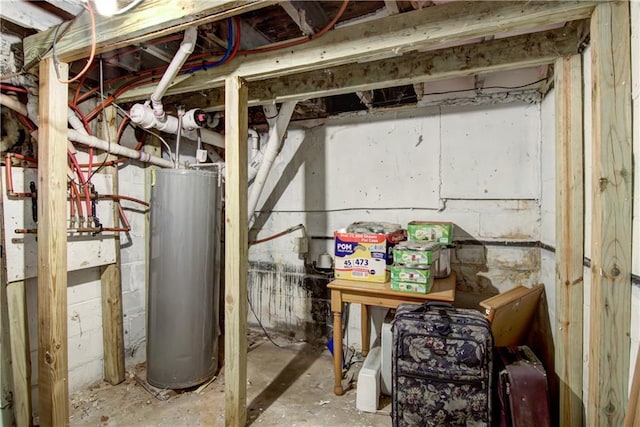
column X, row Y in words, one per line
column 119, row 197
column 123, row 217
column 77, row 230
column 77, row 200
column 9, row 176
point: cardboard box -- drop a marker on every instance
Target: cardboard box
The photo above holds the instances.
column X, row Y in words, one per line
column 416, row 254
column 400, row 273
column 415, row 288
column 430, row 231
column 365, row 256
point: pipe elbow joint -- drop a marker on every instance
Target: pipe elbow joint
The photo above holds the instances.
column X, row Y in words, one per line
column 142, row 115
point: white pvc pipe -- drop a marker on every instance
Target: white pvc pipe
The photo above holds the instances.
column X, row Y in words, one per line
column 117, row 149
column 276, row 133
column 144, row 116
column 252, row 167
column 186, row 48
column 255, row 142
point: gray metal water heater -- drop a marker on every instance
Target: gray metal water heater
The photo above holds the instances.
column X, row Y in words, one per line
column 183, row 295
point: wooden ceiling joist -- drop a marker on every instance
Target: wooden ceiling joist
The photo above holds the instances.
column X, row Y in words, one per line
column 151, row 19
column 496, row 55
column 390, row 37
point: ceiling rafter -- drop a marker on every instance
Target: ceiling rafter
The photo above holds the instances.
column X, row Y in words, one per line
column 390, row 37
column 512, row 53
column 151, row 19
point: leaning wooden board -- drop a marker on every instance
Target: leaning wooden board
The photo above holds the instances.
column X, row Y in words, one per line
column 511, row 313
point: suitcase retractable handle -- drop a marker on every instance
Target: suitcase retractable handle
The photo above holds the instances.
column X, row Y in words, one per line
column 430, row 305
column 443, row 327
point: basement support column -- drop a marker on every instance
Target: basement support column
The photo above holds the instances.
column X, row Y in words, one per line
column 20, row 351
column 53, row 384
column 111, row 283
column 569, row 237
column 611, row 230
column 236, row 252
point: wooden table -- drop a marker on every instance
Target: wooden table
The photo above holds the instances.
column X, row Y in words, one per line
column 375, row 294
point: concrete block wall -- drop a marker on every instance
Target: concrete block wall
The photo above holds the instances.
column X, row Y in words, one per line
column 475, row 166
column 84, row 310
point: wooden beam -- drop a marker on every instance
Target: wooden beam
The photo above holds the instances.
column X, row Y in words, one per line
column 392, row 7
column 569, row 237
column 313, row 14
column 151, row 19
column 20, row 352
column 391, row 37
column 112, row 321
column 496, row 55
column 236, row 253
column 53, row 384
column 6, row 410
column 611, row 229
column 298, row 17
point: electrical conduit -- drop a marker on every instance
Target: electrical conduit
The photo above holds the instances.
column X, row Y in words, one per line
column 276, row 134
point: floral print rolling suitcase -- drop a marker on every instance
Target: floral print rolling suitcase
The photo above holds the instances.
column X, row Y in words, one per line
column 442, row 366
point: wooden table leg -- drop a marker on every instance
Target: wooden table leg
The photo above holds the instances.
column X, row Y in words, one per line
column 337, row 352
column 364, row 328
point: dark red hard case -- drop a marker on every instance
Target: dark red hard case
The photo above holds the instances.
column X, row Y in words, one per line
column 522, row 388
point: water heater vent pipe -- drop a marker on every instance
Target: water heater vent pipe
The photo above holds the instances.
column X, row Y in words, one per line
column 154, row 116
column 276, row 134
column 186, row 49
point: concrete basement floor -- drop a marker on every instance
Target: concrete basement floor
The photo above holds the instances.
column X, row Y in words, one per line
column 292, row 385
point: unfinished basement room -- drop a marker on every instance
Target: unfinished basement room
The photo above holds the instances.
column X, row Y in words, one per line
column 320, row 213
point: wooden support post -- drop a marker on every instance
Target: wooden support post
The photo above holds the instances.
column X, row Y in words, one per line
column 53, row 384
column 611, row 230
column 112, row 327
column 236, row 250
column 20, row 352
column 569, row 236
column 632, row 417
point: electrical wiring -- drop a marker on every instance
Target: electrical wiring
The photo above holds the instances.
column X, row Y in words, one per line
column 91, row 55
column 490, row 87
column 227, row 53
column 301, row 40
column 77, row 98
column 194, row 64
column 105, row 125
column 446, row 92
column 261, row 325
column 146, row 77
